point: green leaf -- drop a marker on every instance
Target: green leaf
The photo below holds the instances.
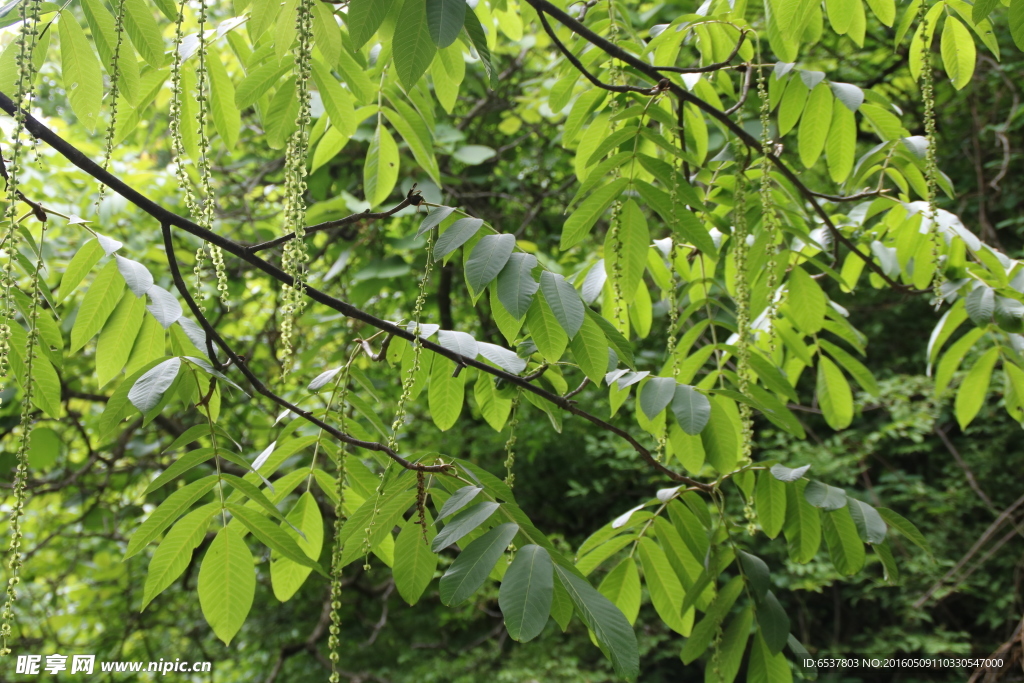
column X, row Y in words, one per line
column 526, row 593
column 413, row 47
column 80, row 69
column 720, row 439
column 734, row 642
column 226, row 117
column 389, row 511
column 834, row 395
column 792, row 105
column 458, row 500
column 227, row 584
column 564, row 302
column 971, row 394
column 473, row 564
column 287, row 576
column 99, row 302
column 545, row 330
column 475, row 31
column 147, row 391
column 664, row 587
column 164, row 306
column 809, row 672
column 626, row 249
column 951, row 360
column 489, row 256
column 144, row 33
column 704, row 632
column 870, row 526
column 803, row 525
column 364, row 18
column 167, row 512
column 841, row 144
column 691, row 408
column 183, row 464
column 783, row 473
column 905, row 527
column 958, row 52
column 78, row 267
column 622, row 586
column 656, row 394
column 260, row 80
column 414, row 562
column 764, row 667
column 806, row 302
column 150, row 344
column 590, row 349
column 104, row 35
column 1016, row 22
column 474, row 155
column 248, row 489
column 884, row 552
column 445, row 19
column 772, row 622
column 770, row 497
column 272, row 536
column 815, row 122
column 840, row 14
column 494, row 407
column 118, row 335
column 609, row 625
column 824, row 496
column 337, row 101
column 755, row 571
column 844, row 544
column 578, row 225
column 174, row 553
column 262, row 15
column 457, row 234
column 516, row 285
column 380, row 172
column 445, row 394
column 982, row 9
column 462, row 524
column 614, row 337
column 413, row 130
column 859, row 371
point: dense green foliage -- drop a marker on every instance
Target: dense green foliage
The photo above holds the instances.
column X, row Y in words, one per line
column 620, row 340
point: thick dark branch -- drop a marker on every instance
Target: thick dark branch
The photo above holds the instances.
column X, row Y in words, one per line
column 544, row 7
column 169, row 218
column 257, row 384
column 412, row 199
column 710, row 67
column 583, row 70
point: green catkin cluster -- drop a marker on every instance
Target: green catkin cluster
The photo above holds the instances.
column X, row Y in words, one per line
column 769, row 218
column 177, row 142
column 21, row 467
column 178, row 150
column 115, row 82
column 619, row 313
column 29, row 15
column 339, row 521
column 931, row 166
column 205, row 175
column 294, row 257
column 421, row 502
column 740, row 252
column 510, row 445
column 407, row 384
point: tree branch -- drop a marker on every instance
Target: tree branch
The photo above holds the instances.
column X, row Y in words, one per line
column 412, row 199
column 544, row 7
column 168, row 219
